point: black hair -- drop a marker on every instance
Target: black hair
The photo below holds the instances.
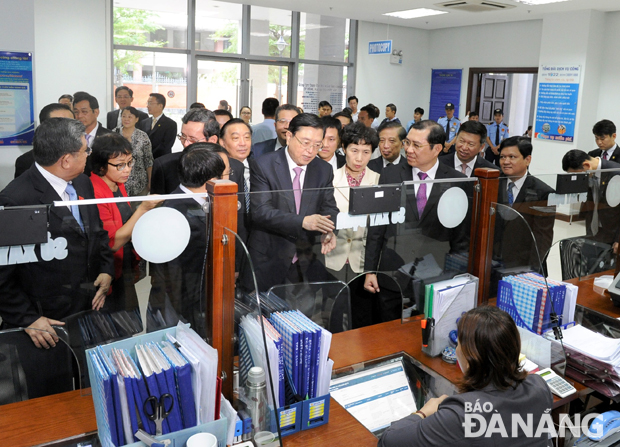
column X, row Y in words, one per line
column 225, row 104
column 105, row 148
column 476, row 128
column 437, row 134
column 402, row 133
column 221, row 112
column 474, row 113
column 269, row 107
column 604, row 127
column 230, row 123
column 161, row 99
column 371, row 110
column 345, row 114
column 357, row 133
column 66, row 96
column 56, row 137
column 83, row 96
column 290, row 107
column 574, row 160
column 197, row 105
column 352, row 97
column 45, row 112
column 199, row 163
column 131, row 110
column 245, row 107
column 523, row 144
column 211, row 126
column 325, row 103
column 527, row 130
column 329, row 122
column 121, row 88
column 419, row 110
column 392, row 107
column 346, row 111
column 305, row 120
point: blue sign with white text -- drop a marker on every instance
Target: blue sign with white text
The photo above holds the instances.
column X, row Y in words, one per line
column 380, row 47
column 16, row 99
column 445, row 88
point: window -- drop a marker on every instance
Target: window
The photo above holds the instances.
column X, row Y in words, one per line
column 218, row 26
column 321, row 83
column 323, row 38
column 270, row 32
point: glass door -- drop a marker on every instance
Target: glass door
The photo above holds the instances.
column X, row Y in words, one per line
column 267, row 81
column 219, row 80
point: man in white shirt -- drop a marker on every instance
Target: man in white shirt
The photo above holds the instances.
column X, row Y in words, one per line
column 391, row 136
column 470, row 141
column 332, row 142
column 605, row 137
column 353, row 102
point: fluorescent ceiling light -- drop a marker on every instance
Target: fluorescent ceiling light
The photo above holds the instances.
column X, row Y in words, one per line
column 415, row 13
column 539, row 2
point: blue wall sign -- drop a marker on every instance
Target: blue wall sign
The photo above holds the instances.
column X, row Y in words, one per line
column 16, row 99
column 445, row 88
column 380, row 47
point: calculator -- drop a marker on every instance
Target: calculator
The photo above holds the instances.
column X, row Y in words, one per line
column 557, row 384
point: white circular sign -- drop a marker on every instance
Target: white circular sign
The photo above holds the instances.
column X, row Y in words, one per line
column 613, row 191
column 452, row 207
column 161, row 235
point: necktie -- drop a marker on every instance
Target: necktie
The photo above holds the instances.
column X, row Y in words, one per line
column 448, row 130
column 246, row 190
column 153, row 124
column 604, row 155
column 464, row 168
column 497, row 136
column 511, row 197
column 421, row 197
column 75, row 210
column 88, row 137
column 594, row 186
column 297, row 194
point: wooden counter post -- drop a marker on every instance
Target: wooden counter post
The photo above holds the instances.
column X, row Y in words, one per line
column 220, row 278
column 482, row 230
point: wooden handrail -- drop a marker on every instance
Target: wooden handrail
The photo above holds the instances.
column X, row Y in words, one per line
column 220, row 278
column 482, row 230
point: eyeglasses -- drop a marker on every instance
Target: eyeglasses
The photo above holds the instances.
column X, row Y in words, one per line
column 416, row 146
column 229, row 173
column 182, row 138
column 246, row 113
column 309, row 145
column 122, row 166
column 283, row 121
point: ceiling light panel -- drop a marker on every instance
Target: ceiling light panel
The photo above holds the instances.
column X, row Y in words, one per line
column 415, row 13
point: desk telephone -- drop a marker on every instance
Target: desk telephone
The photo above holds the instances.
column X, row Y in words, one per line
column 604, row 431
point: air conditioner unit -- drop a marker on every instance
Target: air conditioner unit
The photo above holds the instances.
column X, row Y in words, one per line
column 475, row 5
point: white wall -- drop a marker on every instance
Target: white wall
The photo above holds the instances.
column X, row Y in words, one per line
column 513, row 44
column 609, row 93
column 16, row 34
column 381, row 83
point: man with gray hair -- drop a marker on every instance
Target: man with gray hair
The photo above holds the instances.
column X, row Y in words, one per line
column 72, row 271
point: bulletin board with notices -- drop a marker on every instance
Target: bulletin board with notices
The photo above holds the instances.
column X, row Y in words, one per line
column 16, row 99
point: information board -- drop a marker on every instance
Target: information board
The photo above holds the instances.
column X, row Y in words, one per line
column 556, row 112
column 445, row 88
column 16, row 103
column 380, row 47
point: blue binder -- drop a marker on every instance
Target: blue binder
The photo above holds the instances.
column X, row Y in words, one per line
column 185, row 390
column 116, row 398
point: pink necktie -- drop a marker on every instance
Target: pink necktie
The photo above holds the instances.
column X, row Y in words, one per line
column 421, row 198
column 464, row 168
column 604, row 155
column 297, row 194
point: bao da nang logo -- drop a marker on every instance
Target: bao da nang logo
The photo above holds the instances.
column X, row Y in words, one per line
column 483, row 421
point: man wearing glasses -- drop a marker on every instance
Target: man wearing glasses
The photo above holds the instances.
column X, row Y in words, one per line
column 72, row 272
column 292, row 203
column 470, row 142
column 284, row 114
column 422, row 232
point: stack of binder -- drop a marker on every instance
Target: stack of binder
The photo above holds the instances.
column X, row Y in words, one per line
column 530, row 301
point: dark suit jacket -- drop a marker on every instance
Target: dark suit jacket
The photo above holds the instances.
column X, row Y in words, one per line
column 341, row 160
column 263, row 147
column 277, row 231
column 419, row 235
column 514, row 245
column 61, row 282
column 615, row 156
column 24, row 161
column 377, row 164
column 448, row 160
column 112, row 118
column 609, row 218
column 165, row 174
column 162, row 136
column 180, row 282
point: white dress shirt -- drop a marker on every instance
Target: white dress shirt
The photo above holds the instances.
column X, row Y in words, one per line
column 518, row 185
column 609, row 152
column 470, row 166
column 246, row 173
column 395, row 162
column 57, row 183
column 432, row 172
column 92, row 134
column 278, row 145
column 333, row 162
column 292, row 165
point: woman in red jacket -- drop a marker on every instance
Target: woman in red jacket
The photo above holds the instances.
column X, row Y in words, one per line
column 111, row 165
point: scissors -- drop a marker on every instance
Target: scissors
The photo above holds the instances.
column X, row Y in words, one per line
column 157, row 411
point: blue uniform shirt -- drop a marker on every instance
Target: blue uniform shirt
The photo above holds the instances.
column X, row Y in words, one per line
column 455, row 125
column 492, row 131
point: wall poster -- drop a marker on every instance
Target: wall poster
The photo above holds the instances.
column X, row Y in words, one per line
column 16, row 99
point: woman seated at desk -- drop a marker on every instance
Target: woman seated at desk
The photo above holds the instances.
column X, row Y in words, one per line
column 488, row 354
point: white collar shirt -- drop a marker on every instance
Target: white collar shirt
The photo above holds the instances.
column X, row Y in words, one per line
column 432, row 172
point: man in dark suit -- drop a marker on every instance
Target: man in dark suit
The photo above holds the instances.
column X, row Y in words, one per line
column 86, row 110
column 390, row 246
column 470, row 141
column 123, row 96
column 73, row 270
column 293, row 202
column 332, row 142
column 391, row 136
column 519, row 195
column 178, row 286
column 390, row 115
column 284, row 114
column 608, row 217
column 161, row 130
column 605, row 137
column 53, row 110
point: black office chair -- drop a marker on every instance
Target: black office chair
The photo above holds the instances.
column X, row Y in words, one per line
column 581, row 256
column 27, row 372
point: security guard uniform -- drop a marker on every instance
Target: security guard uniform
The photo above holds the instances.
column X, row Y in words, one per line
column 495, row 137
column 451, row 126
